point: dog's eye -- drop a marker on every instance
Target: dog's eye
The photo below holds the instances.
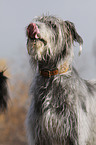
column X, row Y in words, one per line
column 50, row 22
column 54, row 26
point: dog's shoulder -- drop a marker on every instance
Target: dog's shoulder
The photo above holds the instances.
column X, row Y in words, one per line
column 91, row 85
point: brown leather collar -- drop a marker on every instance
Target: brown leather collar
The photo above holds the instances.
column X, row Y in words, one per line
column 49, row 73
column 62, row 69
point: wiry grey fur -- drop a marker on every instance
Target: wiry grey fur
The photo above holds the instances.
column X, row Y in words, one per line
column 63, row 107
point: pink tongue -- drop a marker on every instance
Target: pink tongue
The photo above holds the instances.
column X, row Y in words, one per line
column 32, row 30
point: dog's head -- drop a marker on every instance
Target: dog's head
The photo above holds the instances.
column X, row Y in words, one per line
column 4, row 96
column 50, row 38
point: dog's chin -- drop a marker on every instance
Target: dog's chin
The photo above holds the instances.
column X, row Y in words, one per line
column 34, row 45
column 36, row 49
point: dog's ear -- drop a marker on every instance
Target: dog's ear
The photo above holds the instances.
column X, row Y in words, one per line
column 71, row 28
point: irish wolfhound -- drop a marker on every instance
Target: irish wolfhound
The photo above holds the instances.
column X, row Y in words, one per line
column 4, row 95
column 62, row 110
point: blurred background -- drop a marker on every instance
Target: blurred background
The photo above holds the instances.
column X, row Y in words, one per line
column 14, row 18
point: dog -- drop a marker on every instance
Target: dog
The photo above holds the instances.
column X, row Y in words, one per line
column 4, row 94
column 62, row 110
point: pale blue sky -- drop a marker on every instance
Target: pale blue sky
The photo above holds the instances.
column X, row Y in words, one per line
column 15, row 15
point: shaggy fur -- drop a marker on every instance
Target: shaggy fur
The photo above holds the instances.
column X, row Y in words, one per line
column 62, row 110
column 4, row 96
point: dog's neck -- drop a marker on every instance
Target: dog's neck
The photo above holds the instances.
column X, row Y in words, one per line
column 51, row 69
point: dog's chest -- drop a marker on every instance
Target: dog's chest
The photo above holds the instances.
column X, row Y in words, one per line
column 56, row 111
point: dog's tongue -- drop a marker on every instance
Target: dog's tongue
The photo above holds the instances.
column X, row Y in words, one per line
column 32, row 31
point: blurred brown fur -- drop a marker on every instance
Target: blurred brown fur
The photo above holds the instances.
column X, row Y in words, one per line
column 12, row 128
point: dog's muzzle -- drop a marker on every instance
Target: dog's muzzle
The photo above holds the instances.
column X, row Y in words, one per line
column 33, row 34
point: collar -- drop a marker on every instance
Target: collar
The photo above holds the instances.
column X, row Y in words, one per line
column 48, row 73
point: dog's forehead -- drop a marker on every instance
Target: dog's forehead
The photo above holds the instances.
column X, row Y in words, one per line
column 46, row 19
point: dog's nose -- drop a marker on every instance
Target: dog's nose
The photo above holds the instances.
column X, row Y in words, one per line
column 32, row 31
